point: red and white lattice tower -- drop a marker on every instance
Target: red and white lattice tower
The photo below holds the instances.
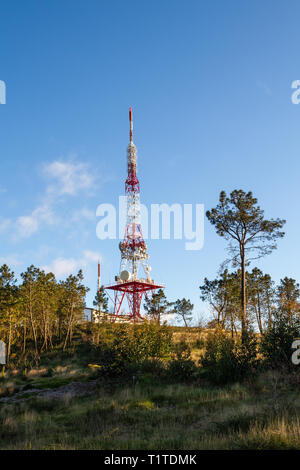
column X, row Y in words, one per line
column 134, row 256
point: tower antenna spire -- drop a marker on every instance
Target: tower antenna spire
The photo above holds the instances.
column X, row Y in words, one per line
column 131, row 125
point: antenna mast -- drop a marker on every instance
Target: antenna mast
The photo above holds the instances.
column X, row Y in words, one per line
column 133, row 248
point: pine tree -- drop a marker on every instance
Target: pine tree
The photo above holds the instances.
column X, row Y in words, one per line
column 101, row 303
column 288, row 294
column 101, row 300
column 241, row 221
column 183, row 309
column 157, row 305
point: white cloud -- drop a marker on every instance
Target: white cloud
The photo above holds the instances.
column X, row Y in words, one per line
column 69, row 177
column 66, row 266
column 26, row 225
column 91, row 256
column 62, row 266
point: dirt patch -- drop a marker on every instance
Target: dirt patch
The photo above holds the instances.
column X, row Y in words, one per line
column 73, row 389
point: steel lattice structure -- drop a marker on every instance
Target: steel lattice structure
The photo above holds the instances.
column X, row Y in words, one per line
column 134, row 255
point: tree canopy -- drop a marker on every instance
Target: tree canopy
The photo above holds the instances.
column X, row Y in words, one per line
column 240, row 220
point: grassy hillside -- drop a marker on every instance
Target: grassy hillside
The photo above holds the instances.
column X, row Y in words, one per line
column 65, row 404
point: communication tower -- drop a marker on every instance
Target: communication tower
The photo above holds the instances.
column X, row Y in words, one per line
column 134, row 254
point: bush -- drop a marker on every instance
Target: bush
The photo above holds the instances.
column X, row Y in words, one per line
column 154, row 367
column 182, row 370
column 276, row 343
column 181, row 350
column 181, row 367
column 132, row 345
column 227, row 360
column 199, row 343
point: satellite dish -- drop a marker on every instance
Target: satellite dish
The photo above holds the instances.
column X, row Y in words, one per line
column 125, row 275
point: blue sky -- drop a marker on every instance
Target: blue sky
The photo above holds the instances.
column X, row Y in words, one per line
column 210, row 87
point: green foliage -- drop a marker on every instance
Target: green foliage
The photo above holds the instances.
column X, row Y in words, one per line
column 288, row 293
column 277, row 341
column 183, row 310
column 199, row 343
column 9, row 308
column 228, row 360
column 181, row 350
column 223, row 296
column 181, row 368
column 101, row 300
column 39, row 313
column 260, row 294
column 157, row 305
column 153, row 368
column 240, row 220
column 125, row 347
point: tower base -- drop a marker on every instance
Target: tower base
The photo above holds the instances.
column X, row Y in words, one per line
column 134, row 291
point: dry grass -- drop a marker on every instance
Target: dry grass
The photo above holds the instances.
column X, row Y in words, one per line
column 148, row 415
column 36, row 372
column 155, row 416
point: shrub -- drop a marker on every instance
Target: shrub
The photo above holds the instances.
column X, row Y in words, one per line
column 132, row 345
column 276, row 343
column 199, row 343
column 181, row 367
column 227, row 360
column 154, row 367
column 181, row 350
column 182, row 370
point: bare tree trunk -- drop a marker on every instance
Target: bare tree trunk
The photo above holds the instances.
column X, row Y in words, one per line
column 33, row 331
column 9, row 340
column 233, row 325
column 32, row 322
column 243, row 294
column 69, row 328
column 270, row 320
column 259, row 322
column 59, row 326
column 45, row 342
column 24, row 337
